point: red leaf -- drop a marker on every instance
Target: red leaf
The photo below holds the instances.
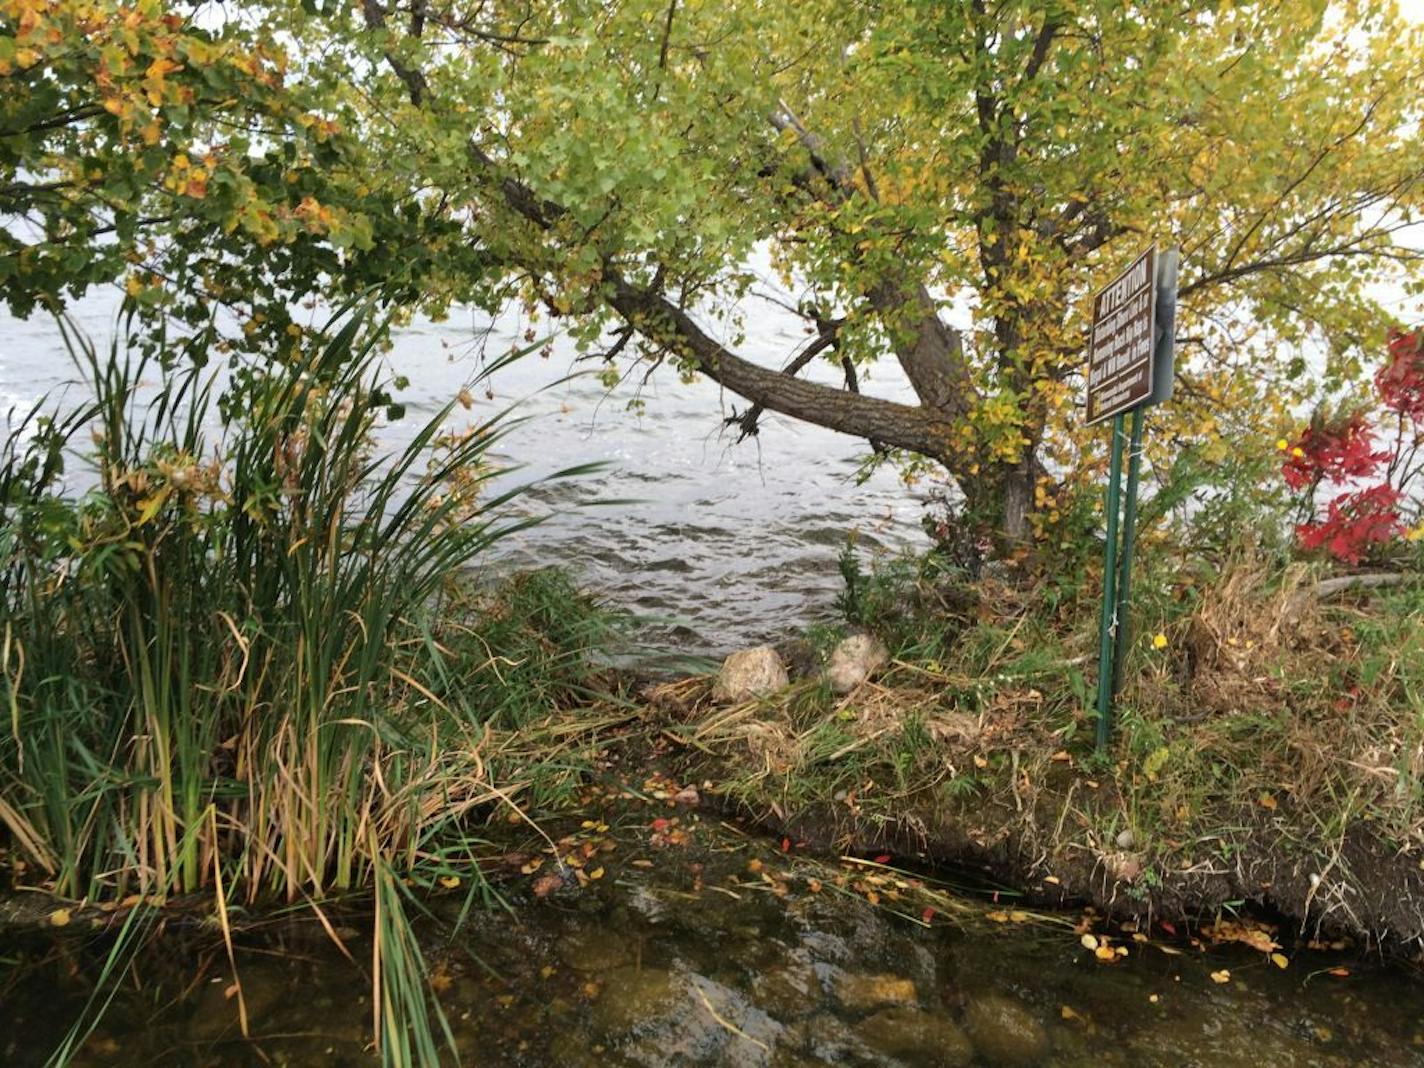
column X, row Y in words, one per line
column 884, row 858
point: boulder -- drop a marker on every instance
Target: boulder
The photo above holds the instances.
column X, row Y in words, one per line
column 1005, row 1032
column 854, row 660
column 750, row 674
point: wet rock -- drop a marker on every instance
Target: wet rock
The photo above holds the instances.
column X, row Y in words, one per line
column 635, row 997
column 919, row 1038
column 749, row 674
column 789, row 991
column 866, row 993
column 854, row 660
column 829, row 1040
column 1005, row 1032
column 215, row 1012
column 594, row 949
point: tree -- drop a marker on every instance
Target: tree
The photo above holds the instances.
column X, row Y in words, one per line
column 618, row 163
column 187, row 165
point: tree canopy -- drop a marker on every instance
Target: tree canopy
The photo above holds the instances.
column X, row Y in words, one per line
column 617, row 165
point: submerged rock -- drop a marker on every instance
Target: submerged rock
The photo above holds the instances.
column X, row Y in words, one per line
column 749, row 674
column 1005, row 1032
column 789, row 991
column 594, row 949
column 854, row 660
column 917, row 1037
column 866, row 993
column 635, row 997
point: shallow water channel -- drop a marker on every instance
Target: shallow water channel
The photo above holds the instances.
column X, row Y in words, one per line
column 686, row 940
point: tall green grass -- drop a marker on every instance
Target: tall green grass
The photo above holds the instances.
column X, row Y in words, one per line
column 244, row 663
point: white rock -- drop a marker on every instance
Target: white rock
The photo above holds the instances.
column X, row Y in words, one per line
column 854, row 660
column 750, row 673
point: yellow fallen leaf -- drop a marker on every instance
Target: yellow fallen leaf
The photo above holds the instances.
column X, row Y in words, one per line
column 1089, row 941
column 1068, row 1014
column 1018, row 916
column 1153, row 998
column 1223, row 976
column 1268, row 802
column 980, row 762
column 59, row 918
column 1105, row 953
column 449, row 882
column 1280, row 960
column 597, row 873
column 997, row 916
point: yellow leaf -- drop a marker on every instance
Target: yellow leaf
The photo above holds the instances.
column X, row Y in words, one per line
column 1280, row 960
column 997, row 916
column 1269, row 802
column 1089, row 941
column 597, row 873
column 1223, row 976
column 59, row 918
column 449, row 882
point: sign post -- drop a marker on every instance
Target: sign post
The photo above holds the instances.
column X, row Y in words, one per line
column 1129, row 368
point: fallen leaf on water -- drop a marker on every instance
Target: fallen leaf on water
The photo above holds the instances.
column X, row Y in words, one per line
column 1280, row 960
column 928, row 914
column 883, row 858
column 59, row 918
column 1223, row 976
column 547, row 884
column 997, row 916
column 1051, row 879
column 1339, row 973
column 1089, row 941
column 1105, row 954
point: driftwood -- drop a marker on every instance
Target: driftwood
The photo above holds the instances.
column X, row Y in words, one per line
column 1332, row 587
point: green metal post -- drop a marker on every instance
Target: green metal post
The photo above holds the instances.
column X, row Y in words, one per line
column 1129, row 538
column 1105, row 626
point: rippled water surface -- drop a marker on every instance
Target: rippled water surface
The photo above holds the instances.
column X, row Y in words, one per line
column 727, row 543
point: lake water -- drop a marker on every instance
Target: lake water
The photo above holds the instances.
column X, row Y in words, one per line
column 724, row 545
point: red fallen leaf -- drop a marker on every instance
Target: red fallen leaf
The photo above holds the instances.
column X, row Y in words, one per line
column 547, row 884
column 1167, row 926
column 928, row 914
column 786, row 845
column 884, row 858
column 1339, row 973
column 660, row 824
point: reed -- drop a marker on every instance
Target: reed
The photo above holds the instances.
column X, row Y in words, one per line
column 243, row 661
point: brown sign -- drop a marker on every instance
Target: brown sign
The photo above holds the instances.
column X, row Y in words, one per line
column 1120, row 358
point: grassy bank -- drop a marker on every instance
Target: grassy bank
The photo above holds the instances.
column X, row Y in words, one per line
column 1270, row 746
